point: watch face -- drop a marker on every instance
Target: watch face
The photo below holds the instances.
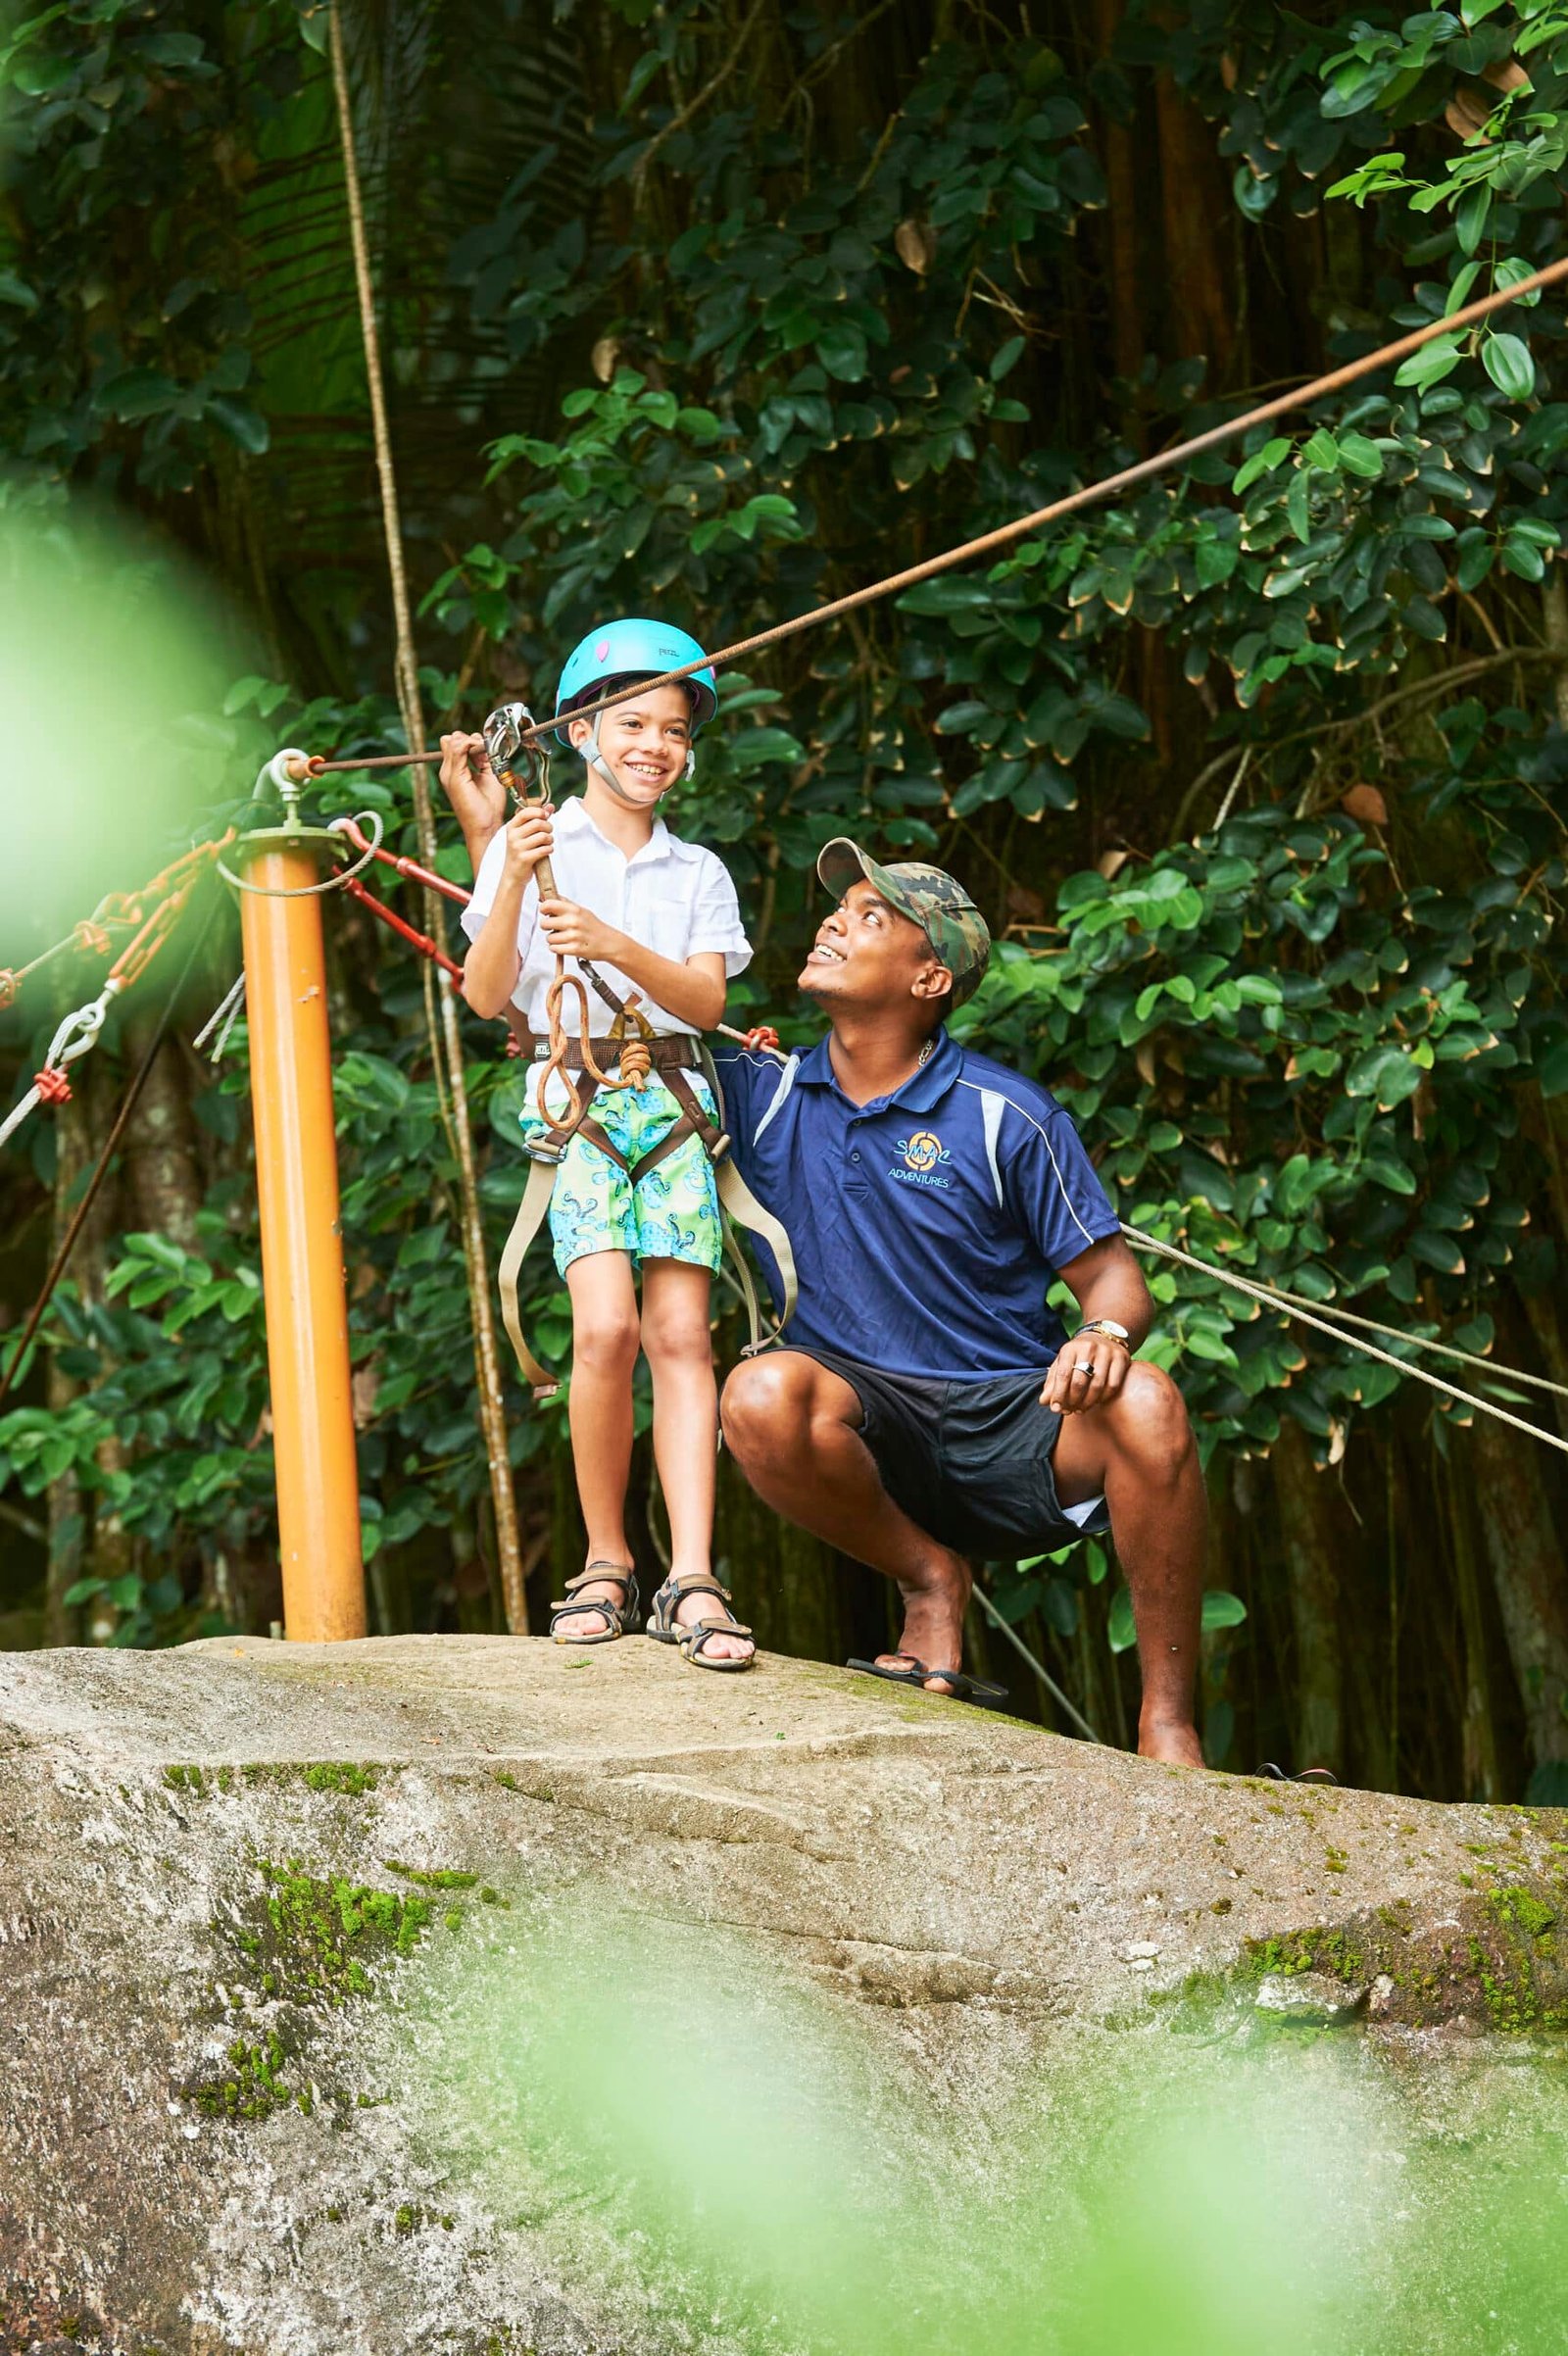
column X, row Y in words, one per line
column 1108, row 1325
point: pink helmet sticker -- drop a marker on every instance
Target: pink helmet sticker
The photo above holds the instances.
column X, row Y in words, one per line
column 602, row 651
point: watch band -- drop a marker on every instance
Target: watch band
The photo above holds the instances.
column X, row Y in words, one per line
column 1108, row 1327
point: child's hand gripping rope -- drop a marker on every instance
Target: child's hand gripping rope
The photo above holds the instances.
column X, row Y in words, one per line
column 529, row 841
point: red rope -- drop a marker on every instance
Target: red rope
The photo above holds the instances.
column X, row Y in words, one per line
column 54, row 1088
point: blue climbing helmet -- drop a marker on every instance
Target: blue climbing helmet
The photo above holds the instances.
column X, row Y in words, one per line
column 629, row 649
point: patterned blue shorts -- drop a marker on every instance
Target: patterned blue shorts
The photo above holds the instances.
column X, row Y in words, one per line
column 671, row 1213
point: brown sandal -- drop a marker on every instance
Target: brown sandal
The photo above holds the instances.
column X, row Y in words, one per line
column 618, row 1615
column 692, row 1641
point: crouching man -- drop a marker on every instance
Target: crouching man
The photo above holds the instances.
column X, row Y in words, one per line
column 927, row 1407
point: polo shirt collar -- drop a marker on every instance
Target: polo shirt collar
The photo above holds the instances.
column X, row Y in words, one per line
column 573, row 817
column 920, row 1092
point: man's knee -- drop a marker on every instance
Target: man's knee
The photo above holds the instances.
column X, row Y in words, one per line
column 1150, row 1420
column 764, row 1408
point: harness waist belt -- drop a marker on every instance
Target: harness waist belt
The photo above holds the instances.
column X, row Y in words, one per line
column 674, row 1053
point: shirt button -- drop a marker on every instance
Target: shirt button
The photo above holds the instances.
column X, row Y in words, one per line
column 854, row 1157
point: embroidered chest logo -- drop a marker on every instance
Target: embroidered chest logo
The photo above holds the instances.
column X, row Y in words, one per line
column 922, row 1156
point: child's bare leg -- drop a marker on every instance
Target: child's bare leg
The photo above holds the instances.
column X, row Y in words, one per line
column 679, row 1347
column 604, row 1358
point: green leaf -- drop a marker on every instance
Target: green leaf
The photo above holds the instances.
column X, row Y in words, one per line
column 1507, row 362
column 1321, row 450
column 1358, row 455
column 246, row 426
column 1120, row 1633
column 1261, row 461
column 1432, row 363
column 1214, row 560
column 1222, row 1609
column 16, row 290
column 1006, row 359
column 842, row 349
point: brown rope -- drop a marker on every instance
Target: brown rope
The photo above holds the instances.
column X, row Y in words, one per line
column 15, row 1364
column 487, row 1357
column 1026, row 526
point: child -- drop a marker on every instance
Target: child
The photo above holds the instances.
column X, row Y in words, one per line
column 660, row 921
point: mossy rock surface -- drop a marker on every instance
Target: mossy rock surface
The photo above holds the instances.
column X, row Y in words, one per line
column 235, row 1879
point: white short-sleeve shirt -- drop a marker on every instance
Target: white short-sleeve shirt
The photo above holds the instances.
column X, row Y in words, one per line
column 676, row 898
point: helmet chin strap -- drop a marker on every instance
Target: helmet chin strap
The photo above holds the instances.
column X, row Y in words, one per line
column 599, row 760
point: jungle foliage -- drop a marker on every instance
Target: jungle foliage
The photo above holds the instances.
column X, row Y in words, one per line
column 718, row 310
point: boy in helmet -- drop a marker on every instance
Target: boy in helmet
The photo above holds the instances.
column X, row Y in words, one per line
column 658, row 920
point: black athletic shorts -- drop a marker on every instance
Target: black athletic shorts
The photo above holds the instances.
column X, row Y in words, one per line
column 969, row 1461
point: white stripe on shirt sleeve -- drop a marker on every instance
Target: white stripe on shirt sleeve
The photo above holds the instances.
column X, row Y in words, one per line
column 1073, row 1209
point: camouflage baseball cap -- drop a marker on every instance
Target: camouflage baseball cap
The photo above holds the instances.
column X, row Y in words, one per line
column 929, row 896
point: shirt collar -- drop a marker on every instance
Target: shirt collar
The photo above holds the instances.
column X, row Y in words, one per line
column 921, row 1091
column 573, row 817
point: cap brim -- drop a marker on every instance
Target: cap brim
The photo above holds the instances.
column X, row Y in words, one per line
column 841, row 865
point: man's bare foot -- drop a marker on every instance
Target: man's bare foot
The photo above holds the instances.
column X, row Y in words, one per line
column 1173, row 1740
column 934, row 1606
column 692, row 1608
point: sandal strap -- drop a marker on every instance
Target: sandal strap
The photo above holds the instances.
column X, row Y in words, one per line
column 612, row 1613
column 679, row 1589
column 625, row 1577
column 695, row 1636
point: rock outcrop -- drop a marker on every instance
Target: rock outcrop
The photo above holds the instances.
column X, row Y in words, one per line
column 248, row 1892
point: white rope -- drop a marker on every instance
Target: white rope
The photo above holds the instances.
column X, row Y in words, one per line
column 1047, row 1680
column 227, row 1012
column 1285, row 1303
column 75, row 1035
column 1439, row 1350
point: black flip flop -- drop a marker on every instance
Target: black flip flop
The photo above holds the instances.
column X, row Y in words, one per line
column 959, row 1687
column 1308, row 1774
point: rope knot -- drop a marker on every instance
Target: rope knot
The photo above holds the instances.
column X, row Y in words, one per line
column 54, row 1088
column 636, row 1062
column 8, row 988
column 93, row 938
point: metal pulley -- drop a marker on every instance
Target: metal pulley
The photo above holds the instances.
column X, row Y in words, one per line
column 515, row 754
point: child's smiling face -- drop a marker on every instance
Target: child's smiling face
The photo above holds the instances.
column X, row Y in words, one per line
column 645, row 740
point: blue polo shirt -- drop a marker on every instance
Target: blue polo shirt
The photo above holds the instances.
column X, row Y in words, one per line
column 928, row 1225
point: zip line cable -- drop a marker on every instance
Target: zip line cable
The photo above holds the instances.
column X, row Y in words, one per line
column 12, row 1368
column 1024, row 526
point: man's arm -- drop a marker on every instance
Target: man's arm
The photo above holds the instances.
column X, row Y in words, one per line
column 476, row 794
column 1105, row 1281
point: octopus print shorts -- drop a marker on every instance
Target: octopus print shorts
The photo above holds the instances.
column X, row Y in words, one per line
column 670, row 1214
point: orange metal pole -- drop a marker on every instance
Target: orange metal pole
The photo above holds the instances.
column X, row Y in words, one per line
column 302, row 1251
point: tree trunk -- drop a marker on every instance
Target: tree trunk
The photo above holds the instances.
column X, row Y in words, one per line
column 163, row 1174
column 1311, row 1544
column 1200, row 320
column 1480, row 1766
column 1519, row 1536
